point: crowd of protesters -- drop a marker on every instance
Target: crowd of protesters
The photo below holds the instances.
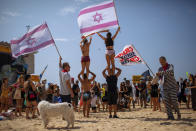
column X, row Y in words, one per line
column 24, row 95
column 15, row 95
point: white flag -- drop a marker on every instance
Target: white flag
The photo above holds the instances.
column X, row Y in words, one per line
column 129, row 56
column 35, row 39
column 97, row 18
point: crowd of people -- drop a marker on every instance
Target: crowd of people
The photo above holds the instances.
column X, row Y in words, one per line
column 25, row 94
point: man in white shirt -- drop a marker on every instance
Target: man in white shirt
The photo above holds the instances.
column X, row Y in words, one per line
column 66, row 92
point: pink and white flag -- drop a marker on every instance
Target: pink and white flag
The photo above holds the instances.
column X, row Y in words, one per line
column 35, row 39
column 97, row 18
column 129, row 56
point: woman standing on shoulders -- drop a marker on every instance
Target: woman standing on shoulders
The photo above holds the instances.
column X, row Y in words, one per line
column 110, row 53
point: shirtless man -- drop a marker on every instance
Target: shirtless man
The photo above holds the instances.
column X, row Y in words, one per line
column 86, row 86
column 85, row 60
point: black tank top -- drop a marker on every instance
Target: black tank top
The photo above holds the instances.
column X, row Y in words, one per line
column 109, row 42
column 112, row 83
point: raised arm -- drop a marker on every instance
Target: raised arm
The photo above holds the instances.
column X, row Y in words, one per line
column 60, row 64
column 104, row 73
column 93, row 76
column 90, row 40
column 81, row 44
column 101, row 36
column 119, row 72
column 116, row 33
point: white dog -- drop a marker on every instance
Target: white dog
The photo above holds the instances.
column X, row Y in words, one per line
column 48, row 110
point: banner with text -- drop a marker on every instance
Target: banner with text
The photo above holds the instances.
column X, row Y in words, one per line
column 129, row 56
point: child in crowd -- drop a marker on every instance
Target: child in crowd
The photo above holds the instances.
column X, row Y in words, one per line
column 104, row 98
column 93, row 102
column 154, row 95
column 55, row 98
column 50, row 92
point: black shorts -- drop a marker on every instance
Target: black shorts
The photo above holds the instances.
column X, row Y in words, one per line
column 66, row 98
column 112, row 98
column 104, row 99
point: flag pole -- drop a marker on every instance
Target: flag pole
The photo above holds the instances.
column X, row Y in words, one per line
column 116, row 12
column 42, row 73
column 145, row 62
column 54, row 42
column 57, row 50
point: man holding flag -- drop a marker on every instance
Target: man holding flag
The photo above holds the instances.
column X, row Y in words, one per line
column 66, row 92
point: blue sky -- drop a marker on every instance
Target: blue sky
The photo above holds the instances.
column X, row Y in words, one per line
column 155, row 27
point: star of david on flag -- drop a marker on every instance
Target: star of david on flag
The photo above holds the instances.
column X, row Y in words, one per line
column 35, row 39
column 97, row 18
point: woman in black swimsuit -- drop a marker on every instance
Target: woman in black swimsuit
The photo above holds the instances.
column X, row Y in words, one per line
column 109, row 42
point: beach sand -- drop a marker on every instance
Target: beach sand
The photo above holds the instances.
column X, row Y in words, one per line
column 139, row 119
